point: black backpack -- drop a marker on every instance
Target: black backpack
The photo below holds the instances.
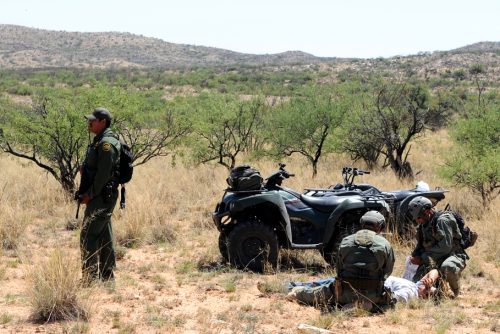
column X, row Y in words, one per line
column 244, row 177
column 469, row 237
column 125, row 169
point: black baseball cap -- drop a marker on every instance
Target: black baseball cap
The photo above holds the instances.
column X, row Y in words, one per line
column 99, row 113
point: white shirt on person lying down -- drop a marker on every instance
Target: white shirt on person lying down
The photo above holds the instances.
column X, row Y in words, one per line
column 402, row 289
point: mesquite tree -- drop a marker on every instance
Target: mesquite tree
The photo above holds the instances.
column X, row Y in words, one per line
column 53, row 133
column 305, row 126
column 224, row 127
column 474, row 161
column 386, row 127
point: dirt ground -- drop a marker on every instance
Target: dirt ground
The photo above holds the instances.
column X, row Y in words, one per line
column 184, row 288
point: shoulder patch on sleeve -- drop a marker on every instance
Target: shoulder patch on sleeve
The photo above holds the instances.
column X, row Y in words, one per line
column 106, row 147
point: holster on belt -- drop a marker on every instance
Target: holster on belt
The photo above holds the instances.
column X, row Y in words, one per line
column 357, row 285
column 338, row 289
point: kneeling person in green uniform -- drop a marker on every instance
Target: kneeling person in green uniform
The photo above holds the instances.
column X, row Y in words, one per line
column 438, row 243
column 365, row 260
column 100, row 176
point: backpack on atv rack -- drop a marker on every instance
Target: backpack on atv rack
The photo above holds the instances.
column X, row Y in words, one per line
column 469, row 237
column 244, row 177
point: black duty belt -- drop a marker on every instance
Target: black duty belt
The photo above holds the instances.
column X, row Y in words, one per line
column 361, row 283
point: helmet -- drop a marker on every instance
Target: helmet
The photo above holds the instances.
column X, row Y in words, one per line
column 374, row 219
column 418, row 205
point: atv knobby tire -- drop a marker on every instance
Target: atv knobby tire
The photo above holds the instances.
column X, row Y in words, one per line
column 223, row 247
column 331, row 250
column 252, row 245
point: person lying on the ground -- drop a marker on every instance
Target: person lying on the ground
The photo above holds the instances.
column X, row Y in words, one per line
column 321, row 292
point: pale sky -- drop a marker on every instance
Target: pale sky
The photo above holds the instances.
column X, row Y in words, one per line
column 328, row 28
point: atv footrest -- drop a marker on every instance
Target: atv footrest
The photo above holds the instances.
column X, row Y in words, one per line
column 307, row 246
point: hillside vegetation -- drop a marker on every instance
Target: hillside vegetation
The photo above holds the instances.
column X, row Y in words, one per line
column 23, row 47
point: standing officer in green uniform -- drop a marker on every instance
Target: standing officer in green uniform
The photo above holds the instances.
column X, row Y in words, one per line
column 438, row 243
column 365, row 260
column 99, row 173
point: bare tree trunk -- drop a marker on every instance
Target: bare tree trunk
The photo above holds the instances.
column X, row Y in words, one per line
column 68, row 184
column 401, row 168
column 315, row 168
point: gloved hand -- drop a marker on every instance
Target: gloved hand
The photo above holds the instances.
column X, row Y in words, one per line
column 85, row 199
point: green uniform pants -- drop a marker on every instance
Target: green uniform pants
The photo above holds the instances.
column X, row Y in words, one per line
column 96, row 239
column 317, row 296
column 450, row 269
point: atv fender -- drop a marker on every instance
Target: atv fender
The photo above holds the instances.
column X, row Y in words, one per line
column 270, row 197
column 403, row 206
column 349, row 205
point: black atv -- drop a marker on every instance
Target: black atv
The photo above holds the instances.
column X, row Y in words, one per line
column 398, row 200
column 255, row 224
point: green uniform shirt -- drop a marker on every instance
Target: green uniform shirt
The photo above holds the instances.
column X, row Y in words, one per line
column 365, row 254
column 440, row 238
column 101, row 161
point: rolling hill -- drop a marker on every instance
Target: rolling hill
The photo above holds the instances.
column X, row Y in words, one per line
column 22, row 47
column 30, row 48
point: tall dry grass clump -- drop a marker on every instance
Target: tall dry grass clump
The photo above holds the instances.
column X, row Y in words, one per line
column 161, row 197
column 12, row 226
column 54, row 289
column 143, row 227
column 28, row 196
column 13, row 216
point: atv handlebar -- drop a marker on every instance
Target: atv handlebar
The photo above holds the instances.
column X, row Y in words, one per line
column 285, row 173
column 349, row 173
column 354, row 171
column 278, row 177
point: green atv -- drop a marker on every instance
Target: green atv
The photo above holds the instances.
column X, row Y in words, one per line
column 255, row 221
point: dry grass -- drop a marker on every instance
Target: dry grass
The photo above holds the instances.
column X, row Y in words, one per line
column 170, row 277
column 55, row 291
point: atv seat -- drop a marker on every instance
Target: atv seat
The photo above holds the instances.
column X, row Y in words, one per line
column 398, row 195
column 401, row 195
column 323, row 204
